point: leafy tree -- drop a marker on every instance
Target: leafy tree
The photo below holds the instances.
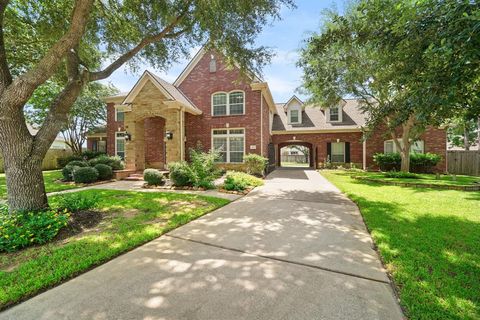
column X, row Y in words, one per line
column 76, row 42
column 389, row 55
column 87, row 112
column 462, row 133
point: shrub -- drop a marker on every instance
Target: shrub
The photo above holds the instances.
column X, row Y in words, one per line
column 423, row 162
column 239, row 181
column 202, row 171
column 78, row 163
column 67, row 171
column 22, row 229
column 179, row 174
column 104, row 172
column 401, row 175
column 114, row 162
column 85, row 175
column 87, row 154
column 73, row 202
column 153, row 177
column 255, row 164
column 388, row 162
column 63, row 161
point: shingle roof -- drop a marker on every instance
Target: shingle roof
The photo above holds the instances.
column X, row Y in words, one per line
column 313, row 118
column 175, row 92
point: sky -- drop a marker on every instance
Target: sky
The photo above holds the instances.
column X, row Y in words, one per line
column 284, row 37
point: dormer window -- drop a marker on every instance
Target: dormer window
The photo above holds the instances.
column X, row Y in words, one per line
column 293, row 108
column 294, row 118
column 334, row 114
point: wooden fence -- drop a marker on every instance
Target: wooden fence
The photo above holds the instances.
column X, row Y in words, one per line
column 463, row 162
column 50, row 160
column 297, row 158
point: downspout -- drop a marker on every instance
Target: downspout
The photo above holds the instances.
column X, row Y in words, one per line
column 261, row 123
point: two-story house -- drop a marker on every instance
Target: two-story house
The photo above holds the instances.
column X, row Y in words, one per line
column 211, row 105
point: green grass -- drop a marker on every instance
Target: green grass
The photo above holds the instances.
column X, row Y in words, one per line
column 423, row 179
column 51, row 184
column 129, row 220
column 294, row 164
column 429, row 240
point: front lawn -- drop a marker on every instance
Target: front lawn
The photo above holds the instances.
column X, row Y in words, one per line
column 51, row 183
column 429, row 241
column 423, row 178
column 123, row 220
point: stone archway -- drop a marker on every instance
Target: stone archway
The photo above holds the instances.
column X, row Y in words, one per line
column 142, row 121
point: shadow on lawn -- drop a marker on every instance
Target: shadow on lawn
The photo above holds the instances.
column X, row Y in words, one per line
column 435, row 260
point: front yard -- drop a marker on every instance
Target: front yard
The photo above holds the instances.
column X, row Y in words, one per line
column 429, row 241
column 122, row 221
column 51, row 182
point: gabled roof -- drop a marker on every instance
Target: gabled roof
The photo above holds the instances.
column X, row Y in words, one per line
column 167, row 89
column 196, row 58
column 314, row 119
column 293, row 98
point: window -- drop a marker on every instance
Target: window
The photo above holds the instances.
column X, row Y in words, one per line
column 219, row 102
column 389, row 146
column 120, row 144
column 230, row 143
column 294, row 118
column 119, row 115
column 334, row 114
column 338, row 152
column 213, row 64
column 232, row 103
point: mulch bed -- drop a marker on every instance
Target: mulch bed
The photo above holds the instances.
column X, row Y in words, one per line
column 419, row 185
column 79, row 222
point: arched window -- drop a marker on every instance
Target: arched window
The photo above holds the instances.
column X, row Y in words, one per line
column 219, row 104
column 232, row 103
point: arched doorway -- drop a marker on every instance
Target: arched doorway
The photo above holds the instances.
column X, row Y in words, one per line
column 295, row 154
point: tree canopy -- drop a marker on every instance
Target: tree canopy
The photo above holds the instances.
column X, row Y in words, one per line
column 412, row 64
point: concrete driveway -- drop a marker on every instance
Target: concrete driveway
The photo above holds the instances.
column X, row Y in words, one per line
column 295, row 248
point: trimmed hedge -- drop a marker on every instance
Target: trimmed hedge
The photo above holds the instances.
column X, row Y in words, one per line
column 85, row 175
column 179, row 173
column 114, row 162
column 255, row 164
column 419, row 162
column 153, row 177
column 105, row 172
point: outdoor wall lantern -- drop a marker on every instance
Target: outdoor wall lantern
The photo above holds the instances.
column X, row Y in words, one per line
column 128, row 136
column 169, row 135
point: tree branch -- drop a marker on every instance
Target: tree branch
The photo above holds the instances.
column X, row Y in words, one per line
column 165, row 33
column 20, row 90
column 5, row 75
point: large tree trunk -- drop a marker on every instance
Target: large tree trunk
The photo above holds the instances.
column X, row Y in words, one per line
column 405, row 155
column 26, row 189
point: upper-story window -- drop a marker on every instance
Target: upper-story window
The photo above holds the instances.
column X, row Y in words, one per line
column 119, row 115
column 231, row 103
column 294, row 116
column 334, row 114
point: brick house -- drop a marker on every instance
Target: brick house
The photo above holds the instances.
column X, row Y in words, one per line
column 211, row 105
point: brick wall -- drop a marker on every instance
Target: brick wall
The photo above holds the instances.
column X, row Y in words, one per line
column 154, row 144
column 199, row 86
column 319, row 143
column 435, row 141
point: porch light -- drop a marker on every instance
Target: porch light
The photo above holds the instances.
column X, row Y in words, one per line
column 169, row 135
column 128, row 136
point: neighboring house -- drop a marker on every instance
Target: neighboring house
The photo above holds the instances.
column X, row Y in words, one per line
column 157, row 122
column 58, row 144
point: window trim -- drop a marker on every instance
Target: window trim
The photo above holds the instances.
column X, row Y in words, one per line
column 116, row 115
column 340, row 114
column 228, row 103
column 124, row 146
column 331, row 152
column 289, row 114
column 395, row 145
column 227, row 135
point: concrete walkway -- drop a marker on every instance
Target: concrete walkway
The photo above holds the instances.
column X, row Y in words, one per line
column 293, row 249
